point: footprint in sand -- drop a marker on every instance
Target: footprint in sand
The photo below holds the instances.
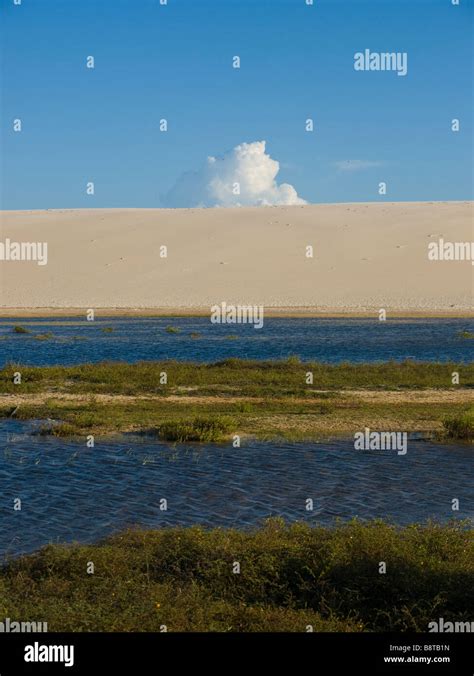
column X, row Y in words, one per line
column 107, row 265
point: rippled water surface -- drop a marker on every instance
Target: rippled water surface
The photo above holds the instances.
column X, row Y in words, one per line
column 69, row 492
column 331, row 340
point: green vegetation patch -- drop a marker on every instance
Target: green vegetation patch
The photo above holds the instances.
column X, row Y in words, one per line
column 247, row 377
column 460, row 426
column 290, row 577
column 199, row 429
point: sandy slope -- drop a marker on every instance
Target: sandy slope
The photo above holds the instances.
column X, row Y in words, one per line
column 366, row 257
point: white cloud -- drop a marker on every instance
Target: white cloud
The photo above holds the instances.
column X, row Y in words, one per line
column 214, row 184
column 356, row 165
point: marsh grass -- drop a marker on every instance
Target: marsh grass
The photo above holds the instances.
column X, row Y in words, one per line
column 328, row 415
column 247, row 377
column 291, row 576
column 55, row 429
column 200, row 429
column 460, row 427
column 266, row 399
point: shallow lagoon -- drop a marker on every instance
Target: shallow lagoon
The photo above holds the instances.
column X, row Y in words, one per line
column 70, row 492
column 76, row 341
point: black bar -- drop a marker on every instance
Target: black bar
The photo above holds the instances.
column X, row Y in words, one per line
column 323, row 653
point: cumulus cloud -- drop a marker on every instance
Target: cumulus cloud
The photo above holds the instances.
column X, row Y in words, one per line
column 244, row 176
column 356, row 165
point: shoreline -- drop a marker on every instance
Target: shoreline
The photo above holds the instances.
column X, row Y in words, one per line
column 270, row 312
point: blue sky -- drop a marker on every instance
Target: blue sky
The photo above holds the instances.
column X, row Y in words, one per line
column 175, row 62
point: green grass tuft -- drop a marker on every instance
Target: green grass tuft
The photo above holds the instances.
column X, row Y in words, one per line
column 460, row 427
column 199, row 429
column 57, row 430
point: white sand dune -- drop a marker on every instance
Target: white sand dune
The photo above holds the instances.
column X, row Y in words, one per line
column 366, row 257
